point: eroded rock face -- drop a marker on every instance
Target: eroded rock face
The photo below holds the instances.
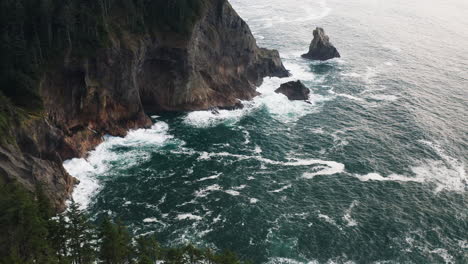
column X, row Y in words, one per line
column 294, row 90
column 321, row 48
column 214, row 66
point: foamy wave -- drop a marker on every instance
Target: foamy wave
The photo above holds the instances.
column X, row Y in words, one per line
column 232, row 192
column 392, row 177
column 443, row 253
column 210, row 177
column 279, row 260
column 281, row 189
column 325, row 167
column 150, row 220
column 446, row 174
column 209, row 118
column 100, row 160
column 277, row 105
column 189, row 217
column 331, row 91
column 253, row 200
column 205, row 191
column 88, row 186
column 347, row 217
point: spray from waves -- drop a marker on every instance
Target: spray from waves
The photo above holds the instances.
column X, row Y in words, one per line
column 100, row 160
column 446, row 174
column 277, row 105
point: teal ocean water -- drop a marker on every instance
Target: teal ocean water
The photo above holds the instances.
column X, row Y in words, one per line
column 373, row 171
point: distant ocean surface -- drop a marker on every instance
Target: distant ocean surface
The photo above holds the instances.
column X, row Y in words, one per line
column 373, row 171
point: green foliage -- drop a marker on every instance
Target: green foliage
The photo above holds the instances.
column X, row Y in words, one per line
column 80, row 236
column 31, row 234
column 148, row 249
column 116, row 243
column 24, row 228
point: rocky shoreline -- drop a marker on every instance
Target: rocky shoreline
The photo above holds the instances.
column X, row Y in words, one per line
column 213, row 66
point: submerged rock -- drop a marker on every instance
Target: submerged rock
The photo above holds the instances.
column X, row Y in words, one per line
column 294, row 90
column 321, row 48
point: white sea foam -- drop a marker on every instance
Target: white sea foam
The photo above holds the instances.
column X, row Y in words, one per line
column 463, row 244
column 281, row 189
column 100, row 160
column 443, row 253
column 447, row 174
column 88, row 186
column 347, row 216
column 150, row 220
column 280, row 260
column 258, row 149
column 277, row 105
column 206, row 191
column 210, row 177
column 189, row 217
column 383, row 97
column 348, row 96
column 253, row 200
column 232, row 192
column 392, row 177
column 326, row 168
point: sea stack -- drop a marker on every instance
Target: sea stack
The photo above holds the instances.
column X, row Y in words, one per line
column 295, row 90
column 321, row 48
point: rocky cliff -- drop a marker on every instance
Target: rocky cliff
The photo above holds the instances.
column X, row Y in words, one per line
column 214, row 64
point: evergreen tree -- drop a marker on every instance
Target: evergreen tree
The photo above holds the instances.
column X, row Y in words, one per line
column 148, row 250
column 116, row 243
column 80, row 234
column 58, row 238
column 24, row 230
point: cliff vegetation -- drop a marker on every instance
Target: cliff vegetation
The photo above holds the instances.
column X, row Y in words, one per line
column 32, row 233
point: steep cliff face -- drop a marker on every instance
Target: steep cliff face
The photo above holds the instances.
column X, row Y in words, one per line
column 214, row 65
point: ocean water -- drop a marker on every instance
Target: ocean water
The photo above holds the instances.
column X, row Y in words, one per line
column 373, row 171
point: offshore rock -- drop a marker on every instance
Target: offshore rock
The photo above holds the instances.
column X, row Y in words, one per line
column 294, row 90
column 321, row 48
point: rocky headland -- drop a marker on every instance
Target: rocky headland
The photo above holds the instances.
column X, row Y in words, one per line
column 212, row 65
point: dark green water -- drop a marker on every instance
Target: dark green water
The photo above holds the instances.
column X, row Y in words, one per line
column 373, row 171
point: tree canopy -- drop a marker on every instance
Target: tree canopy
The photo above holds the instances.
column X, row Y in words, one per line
column 32, row 233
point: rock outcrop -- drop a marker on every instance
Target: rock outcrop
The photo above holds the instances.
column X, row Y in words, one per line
column 321, row 48
column 294, row 90
column 213, row 66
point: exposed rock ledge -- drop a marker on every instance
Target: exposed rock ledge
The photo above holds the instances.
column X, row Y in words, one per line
column 86, row 98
